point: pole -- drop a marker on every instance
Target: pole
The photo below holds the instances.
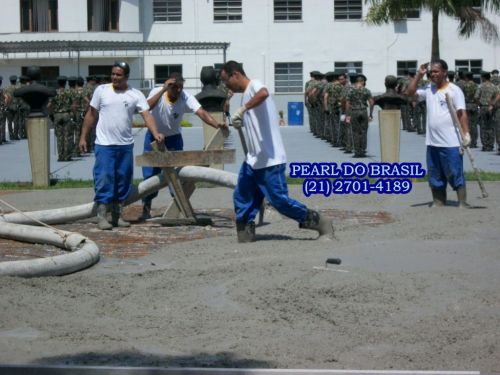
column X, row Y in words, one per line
column 458, row 126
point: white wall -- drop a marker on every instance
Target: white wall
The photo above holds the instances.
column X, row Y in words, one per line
column 318, row 40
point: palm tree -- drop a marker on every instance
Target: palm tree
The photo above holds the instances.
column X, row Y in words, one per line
column 470, row 15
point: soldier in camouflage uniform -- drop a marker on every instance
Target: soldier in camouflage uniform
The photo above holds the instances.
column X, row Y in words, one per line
column 12, row 109
column 333, row 99
column 3, row 114
column 484, row 97
column 314, row 101
column 92, row 83
column 495, row 79
column 346, row 128
column 401, row 89
column 60, row 107
column 358, row 100
column 24, row 110
column 420, row 112
column 81, row 97
column 327, row 108
column 307, row 89
column 469, row 88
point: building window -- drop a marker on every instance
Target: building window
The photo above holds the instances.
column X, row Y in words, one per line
column 348, row 9
column 474, row 66
column 412, row 14
column 349, row 67
column 103, row 15
column 162, row 72
column 227, row 10
column 288, row 77
column 39, row 15
column 287, row 10
column 167, row 11
column 406, row 66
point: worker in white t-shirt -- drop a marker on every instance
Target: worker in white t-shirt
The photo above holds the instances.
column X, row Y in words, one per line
column 111, row 108
column 444, row 154
column 168, row 104
column 262, row 174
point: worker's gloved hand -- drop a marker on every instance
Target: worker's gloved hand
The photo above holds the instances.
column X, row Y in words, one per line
column 237, row 124
column 466, row 141
column 238, row 115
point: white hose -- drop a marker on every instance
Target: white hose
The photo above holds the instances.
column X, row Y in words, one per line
column 84, row 252
column 152, row 184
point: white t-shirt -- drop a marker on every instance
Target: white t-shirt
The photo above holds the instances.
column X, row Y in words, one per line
column 440, row 129
column 262, row 131
column 168, row 115
column 116, row 109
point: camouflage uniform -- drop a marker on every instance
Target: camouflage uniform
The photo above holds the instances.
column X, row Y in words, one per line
column 346, row 129
column 24, row 110
column 92, row 133
column 405, row 110
column 484, row 94
column 79, row 97
column 3, row 114
column 315, row 107
column 334, row 106
column 420, row 114
column 307, row 87
column 358, row 98
column 469, row 89
column 13, row 110
column 61, row 108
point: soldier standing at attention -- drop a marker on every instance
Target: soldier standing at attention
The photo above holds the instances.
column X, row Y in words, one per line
column 92, row 84
column 358, row 100
column 12, row 112
column 469, row 87
column 3, row 114
column 60, row 107
column 345, row 125
column 327, row 107
column 82, row 101
column 484, row 97
column 24, row 110
column 495, row 79
column 307, row 88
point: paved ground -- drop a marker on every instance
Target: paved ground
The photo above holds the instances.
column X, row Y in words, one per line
column 300, row 145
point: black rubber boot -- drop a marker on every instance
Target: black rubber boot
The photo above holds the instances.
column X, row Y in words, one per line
column 146, row 212
column 245, row 232
column 117, row 216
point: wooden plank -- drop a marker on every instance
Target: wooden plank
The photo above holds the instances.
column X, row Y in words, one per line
column 179, row 196
column 173, row 211
column 183, row 158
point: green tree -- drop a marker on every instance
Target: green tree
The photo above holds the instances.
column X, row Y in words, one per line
column 470, row 15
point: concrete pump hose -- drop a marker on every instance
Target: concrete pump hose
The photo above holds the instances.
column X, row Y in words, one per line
column 83, row 252
column 152, row 184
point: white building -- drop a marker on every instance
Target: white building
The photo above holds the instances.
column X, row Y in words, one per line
column 279, row 41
